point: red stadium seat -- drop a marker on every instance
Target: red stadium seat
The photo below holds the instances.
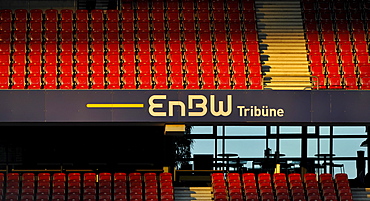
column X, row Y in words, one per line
column 365, row 83
column 50, row 83
column 4, row 83
column 66, row 15
column 255, row 82
column 145, row 82
column 240, row 82
column 97, row 15
column 6, row 15
column 161, row 82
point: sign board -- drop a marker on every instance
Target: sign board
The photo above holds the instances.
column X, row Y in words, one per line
column 184, row 106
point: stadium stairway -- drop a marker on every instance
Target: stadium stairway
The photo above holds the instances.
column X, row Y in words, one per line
column 193, row 193
column 282, row 45
column 361, row 194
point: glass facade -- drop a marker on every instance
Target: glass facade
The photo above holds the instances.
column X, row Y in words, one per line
column 319, row 149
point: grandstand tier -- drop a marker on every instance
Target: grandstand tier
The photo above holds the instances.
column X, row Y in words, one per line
column 86, row 186
column 161, row 186
column 77, row 74
column 279, row 186
column 183, row 45
column 144, row 46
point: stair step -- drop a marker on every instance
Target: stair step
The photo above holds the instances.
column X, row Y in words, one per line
column 287, row 88
column 276, row 2
column 287, row 37
column 276, row 16
column 279, row 20
column 280, row 31
column 286, row 74
column 193, row 188
column 282, row 45
column 281, row 35
column 271, row 5
column 193, row 193
column 284, row 58
column 291, row 84
column 184, row 194
column 281, row 23
column 192, row 198
column 361, row 194
column 287, row 26
column 274, row 9
column 288, row 83
column 291, row 68
column 283, row 52
column 272, row 63
column 284, row 40
column 288, row 79
column 302, row 68
column 278, row 11
column 355, row 190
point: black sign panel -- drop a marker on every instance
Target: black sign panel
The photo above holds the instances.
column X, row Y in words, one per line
column 229, row 106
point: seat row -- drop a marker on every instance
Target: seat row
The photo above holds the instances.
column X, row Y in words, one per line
column 86, row 186
column 337, row 43
column 132, row 82
column 142, row 8
column 163, row 45
column 281, row 187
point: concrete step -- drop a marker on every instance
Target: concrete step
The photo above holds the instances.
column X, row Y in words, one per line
column 288, row 51
column 264, row 5
column 287, row 88
column 296, row 34
column 281, row 36
column 277, row 1
column 282, row 39
column 193, row 193
column 283, row 59
column 287, row 74
column 288, row 84
column 279, row 46
column 279, row 20
column 287, row 26
column 271, row 31
column 289, row 79
column 290, row 63
column 276, row 69
column 302, row 68
column 284, row 55
column 361, row 194
column 277, row 15
column 275, row 9
column 282, row 45
column 280, row 23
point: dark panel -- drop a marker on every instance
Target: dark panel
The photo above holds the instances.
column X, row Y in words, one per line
column 22, row 106
column 165, row 106
column 70, row 106
column 350, row 106
column 321, row 106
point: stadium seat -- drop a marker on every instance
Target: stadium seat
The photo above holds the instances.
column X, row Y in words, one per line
column 66, row 15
